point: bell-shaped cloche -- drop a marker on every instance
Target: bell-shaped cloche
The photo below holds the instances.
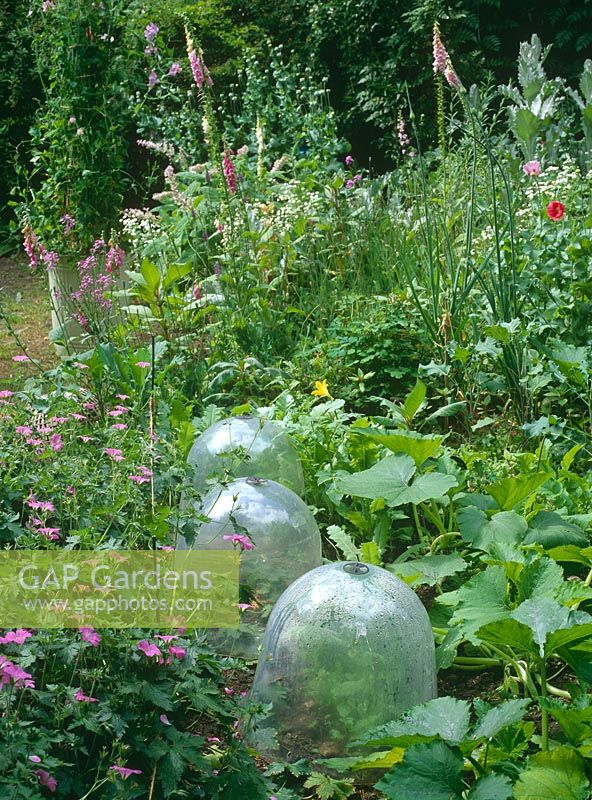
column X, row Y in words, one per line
column 242, row 447
column 279, row 541
column 348, row 647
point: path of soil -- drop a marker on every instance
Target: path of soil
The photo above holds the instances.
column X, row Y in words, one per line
column 24, row 302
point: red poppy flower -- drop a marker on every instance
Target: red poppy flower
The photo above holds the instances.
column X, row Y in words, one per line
column 555, row 210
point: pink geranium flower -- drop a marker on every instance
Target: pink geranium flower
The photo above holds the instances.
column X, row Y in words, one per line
column 177, row 652
column 164, row 719
column 21, row 358
column 90, row 635
column 114, row 453
column 243, row 541
column 82, row 698
column 149, row 650
column 125, row 772
column 15, row 637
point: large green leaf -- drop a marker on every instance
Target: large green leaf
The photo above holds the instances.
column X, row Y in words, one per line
column 508, row 633
column 499, row 717
column 544, row 616
column 551, row 530
column 510, row 492
column 553, row 775
column 391, row 479
column 414, row 400
column 432, row 770
column 445, row 717
column 479, row 601
column 410, row 443
column 491, row 787
column 505, row 527
column 428, row 570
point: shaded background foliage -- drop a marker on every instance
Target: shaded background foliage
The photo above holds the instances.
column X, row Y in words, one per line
column 371, row 51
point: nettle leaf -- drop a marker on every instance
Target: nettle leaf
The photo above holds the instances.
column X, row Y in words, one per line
column 327, row 788
column 499, row 717
column 480, row 601
column 410, row 443
column 431, row 770
column 445, row 717
column 505, row 527
column 391, row 479
column 553, row 775
column 510, row 492
column 491, row 787
column 428, row 570
column 344, row 542
column 551, row 530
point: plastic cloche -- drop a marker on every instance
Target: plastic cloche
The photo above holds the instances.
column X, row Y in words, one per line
column 348, row 647
column 285, row 540
column 242, row 447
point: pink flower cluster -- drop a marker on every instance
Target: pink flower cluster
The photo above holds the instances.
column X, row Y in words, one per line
column 243, row 541
column 19, row 636
column 10, row 672
column 199, row 70
column 37, row 251
column 152, row 650
column 442, row 62
column 229, row 172
column 143, row 477
column 352, row 182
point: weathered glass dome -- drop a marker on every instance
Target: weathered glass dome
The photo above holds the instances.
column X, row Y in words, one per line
column 242, row 447
column 348, row 647
column 285, row 542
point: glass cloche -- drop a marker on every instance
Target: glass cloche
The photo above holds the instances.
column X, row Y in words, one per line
column 279, row 541
column 242, row 447
column 348, row 647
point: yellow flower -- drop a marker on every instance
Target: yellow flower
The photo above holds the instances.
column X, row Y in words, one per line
column 321, row 389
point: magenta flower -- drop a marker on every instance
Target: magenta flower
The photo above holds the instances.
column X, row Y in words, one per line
column 5, row 394
column 56, row 442
column 85, row 439
column 229, row 172
column 199, row 70
column 228, row 691
column 214, row 740
column 24, row 430
column 80, row 365
column 177, row 652
column 349, row 160
column 153, row 79
column 12, row 672
column 40, row 505
column 532, row 168
column 245, row 606
column 149, row 650
column 164, row 719
column 35, row 759
column 142, row 364
column 21, row 358
column 119, row 426
column 174, row 69
column 114, row 453
column 15, row 637
column 125, row 772
column 82, row 698
column 166, row 637
column 45, row 779
column 236, row 538
column 90, row 636
column 122, row 397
